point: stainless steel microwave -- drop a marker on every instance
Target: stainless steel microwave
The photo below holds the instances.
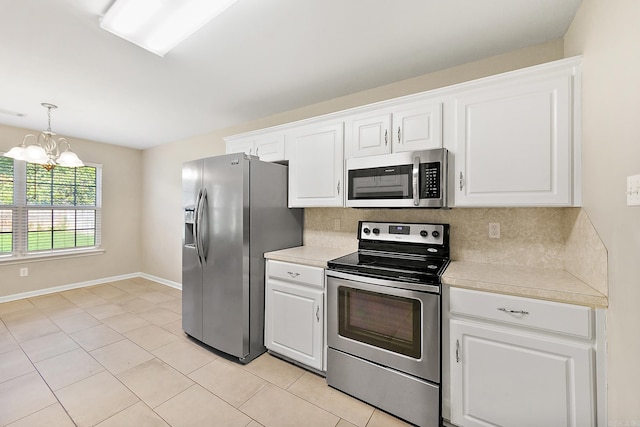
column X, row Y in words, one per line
column 398, row 180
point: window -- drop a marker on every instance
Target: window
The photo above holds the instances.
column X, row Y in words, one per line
column 48, row 212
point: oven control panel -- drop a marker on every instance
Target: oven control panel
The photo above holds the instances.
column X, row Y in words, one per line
column 433, row 234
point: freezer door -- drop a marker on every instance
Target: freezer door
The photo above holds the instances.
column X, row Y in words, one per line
column 191, row 267
column 225, row 293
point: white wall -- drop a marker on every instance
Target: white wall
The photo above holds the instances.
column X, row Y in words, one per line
column 121, row 177
column 607, row 34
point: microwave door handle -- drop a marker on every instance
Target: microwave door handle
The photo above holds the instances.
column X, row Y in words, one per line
column 416, row 169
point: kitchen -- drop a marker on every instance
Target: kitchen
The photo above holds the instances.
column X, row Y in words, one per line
column 603, row 33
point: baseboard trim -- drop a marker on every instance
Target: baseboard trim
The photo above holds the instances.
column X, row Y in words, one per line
column 88, row 283
column 162, row 281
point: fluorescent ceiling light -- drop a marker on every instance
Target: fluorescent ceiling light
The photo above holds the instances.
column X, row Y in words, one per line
column 159, row 25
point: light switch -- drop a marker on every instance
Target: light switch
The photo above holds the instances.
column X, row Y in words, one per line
column 633, row 190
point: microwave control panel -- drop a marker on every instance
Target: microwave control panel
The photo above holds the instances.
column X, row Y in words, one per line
column 430, row 180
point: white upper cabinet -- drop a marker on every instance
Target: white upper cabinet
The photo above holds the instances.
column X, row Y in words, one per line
column 316, row 165
column 515, row 140
column 268, row 146
column 243, row 145
column 370, row 136
column 411, row 127
column 417, row 128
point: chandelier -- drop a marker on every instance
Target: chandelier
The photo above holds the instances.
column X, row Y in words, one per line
column 45, row 148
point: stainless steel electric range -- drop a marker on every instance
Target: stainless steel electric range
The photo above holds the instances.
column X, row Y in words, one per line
column 383, row 319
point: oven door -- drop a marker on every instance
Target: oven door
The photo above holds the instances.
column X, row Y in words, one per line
column 378, row 321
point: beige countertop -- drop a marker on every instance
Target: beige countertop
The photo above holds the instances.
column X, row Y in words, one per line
column 553, row 285
column 308, row 255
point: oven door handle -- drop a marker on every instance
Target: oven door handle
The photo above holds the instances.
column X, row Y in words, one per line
column 416, row 170
column 420, row 287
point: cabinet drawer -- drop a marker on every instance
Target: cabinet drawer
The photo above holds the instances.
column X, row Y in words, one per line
column 527, row 312
column 297, row 273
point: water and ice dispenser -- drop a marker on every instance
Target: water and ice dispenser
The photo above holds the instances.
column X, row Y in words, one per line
column 189, row 220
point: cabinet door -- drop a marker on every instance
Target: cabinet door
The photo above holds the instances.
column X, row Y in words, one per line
column 418, row 129
column 270, row 147
column 371, row 136
column 316, row 166
column 514, row 144
column 502, row 377
column 294, row 322
column 241, row 146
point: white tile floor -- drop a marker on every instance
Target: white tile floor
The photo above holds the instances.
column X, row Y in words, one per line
column 115, row 355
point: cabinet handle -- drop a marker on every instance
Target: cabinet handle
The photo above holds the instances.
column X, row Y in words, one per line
column 457, row 351
column 385, row 136
column 257, row 148
column 250, row 150
column 399, row 135
column 461, row 181
column 338, row 187
column 318, row 313
column 518, row 312
column 293, row 274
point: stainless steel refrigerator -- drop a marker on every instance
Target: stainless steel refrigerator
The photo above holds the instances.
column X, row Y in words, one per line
column 235, row 210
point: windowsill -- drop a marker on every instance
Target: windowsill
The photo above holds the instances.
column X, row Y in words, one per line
column 44, row 256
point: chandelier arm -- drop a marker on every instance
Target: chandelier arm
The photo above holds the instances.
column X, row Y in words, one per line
column 28, row 136
column 66, row 142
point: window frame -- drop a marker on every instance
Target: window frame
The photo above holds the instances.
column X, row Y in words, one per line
column 20, row 230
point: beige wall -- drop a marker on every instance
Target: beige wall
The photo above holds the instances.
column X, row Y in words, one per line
column 162, row 232
column 162, row 202
column 121, row 197
column 607, row 34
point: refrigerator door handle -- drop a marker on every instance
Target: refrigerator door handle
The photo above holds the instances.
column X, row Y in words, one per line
column 203, row 231
column 196, row 226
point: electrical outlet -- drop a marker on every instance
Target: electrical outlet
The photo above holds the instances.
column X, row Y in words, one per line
column 24, row 272
column 494, row 230
column 633, row 190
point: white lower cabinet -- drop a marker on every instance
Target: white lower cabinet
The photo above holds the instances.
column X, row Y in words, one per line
column 294, row 312
column 509, row 368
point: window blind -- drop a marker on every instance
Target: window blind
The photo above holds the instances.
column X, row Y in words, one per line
column 48, row 211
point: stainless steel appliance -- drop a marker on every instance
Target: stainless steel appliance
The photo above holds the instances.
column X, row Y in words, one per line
column 235, row 209
column 409, row 179
column 383, row 319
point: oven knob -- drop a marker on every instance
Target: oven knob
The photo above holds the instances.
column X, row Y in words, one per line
column 366, row 230
column 376, row 231
column 435, row 234
column 424, row 233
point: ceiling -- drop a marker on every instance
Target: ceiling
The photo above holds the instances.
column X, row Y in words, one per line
column 259, row 58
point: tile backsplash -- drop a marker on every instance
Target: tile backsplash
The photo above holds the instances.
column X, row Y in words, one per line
column 550, row 238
